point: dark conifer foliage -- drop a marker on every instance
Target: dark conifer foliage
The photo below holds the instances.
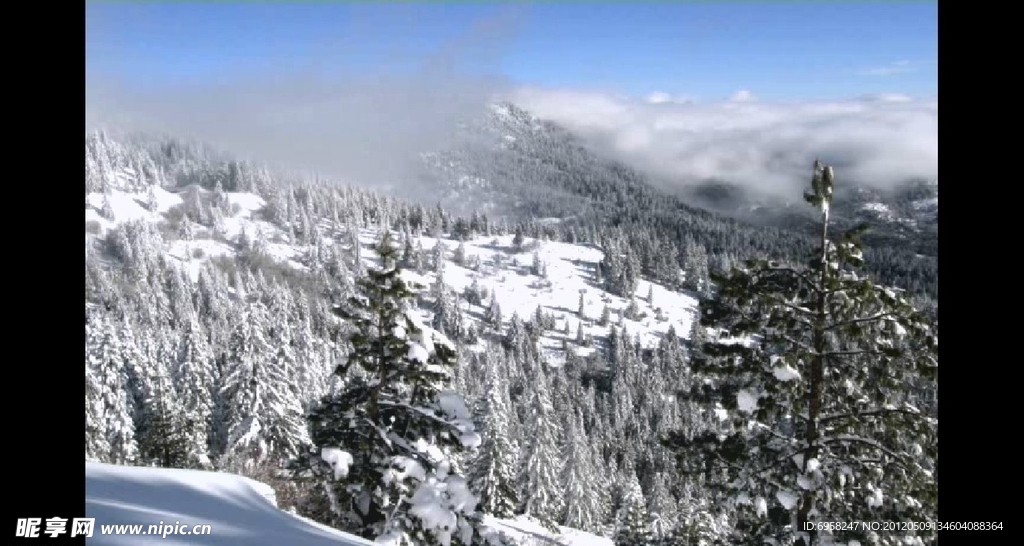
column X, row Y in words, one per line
column 386, row 441
column 824, row 411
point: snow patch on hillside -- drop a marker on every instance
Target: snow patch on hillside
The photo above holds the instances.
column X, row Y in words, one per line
column 504, row 270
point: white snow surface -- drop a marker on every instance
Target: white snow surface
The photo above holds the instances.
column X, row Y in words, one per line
column 239, row 510
column 525, row 530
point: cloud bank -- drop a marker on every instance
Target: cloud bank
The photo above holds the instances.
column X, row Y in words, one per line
column 369, row 130
column 879, row 141
column 364, row 130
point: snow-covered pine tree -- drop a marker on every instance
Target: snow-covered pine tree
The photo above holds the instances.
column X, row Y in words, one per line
column 634, row 523
column 819, row 419
column 663, row 509
column 537, row 266
column 518, row 240
column 437, row 257
column 107, row 208
column 264, row 417
column 493, row 314
column 580, row 483
column 152, row 205
column 632, row 310
column 541, row 491
column 408, row 251
column 472, row 293
column 113, row 401
column 164, row 440
column 493, row 476
column 97, row 446
column 194, row 378
column 385, row 443
column 695, row 267
column 419, row 264
column 447, row 315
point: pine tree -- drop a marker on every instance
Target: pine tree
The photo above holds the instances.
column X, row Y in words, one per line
column 408, row 252
column 518, row 240
column 152, row 205
column 264, row 417
column 163, row 436
column 581, row 338
column 105, row 356
column 97, row 446
column 493, row 471
column 541, row 492
column 537, row 267
column 664, row 511
column 472, row 293
column 107, row 208
column 579, row 481
column 695, row 267
column 493, row 314
column 632, row 310
column 437, row 258
column 634, row 523
column 822, row 416
column 580, row 312
column 194, row 378
column 386, row 443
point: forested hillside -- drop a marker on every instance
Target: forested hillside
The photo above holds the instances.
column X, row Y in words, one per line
column 549, row 355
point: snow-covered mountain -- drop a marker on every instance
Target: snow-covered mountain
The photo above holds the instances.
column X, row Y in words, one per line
column 512, row 164
column 209, row 280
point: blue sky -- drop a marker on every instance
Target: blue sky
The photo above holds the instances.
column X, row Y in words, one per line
column 785, row 51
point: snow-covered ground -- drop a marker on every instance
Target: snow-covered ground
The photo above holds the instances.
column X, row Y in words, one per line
column 503, row 272
column 527, row 532
column 238, row 510
column 570, row 272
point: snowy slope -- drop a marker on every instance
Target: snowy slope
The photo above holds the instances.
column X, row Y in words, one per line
column 570, row 270
column 238, row 510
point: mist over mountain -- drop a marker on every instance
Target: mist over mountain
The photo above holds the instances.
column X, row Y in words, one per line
column 875, row 141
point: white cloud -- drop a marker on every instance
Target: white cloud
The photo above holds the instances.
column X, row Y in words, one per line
column 659, row 97
column 877, row 140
